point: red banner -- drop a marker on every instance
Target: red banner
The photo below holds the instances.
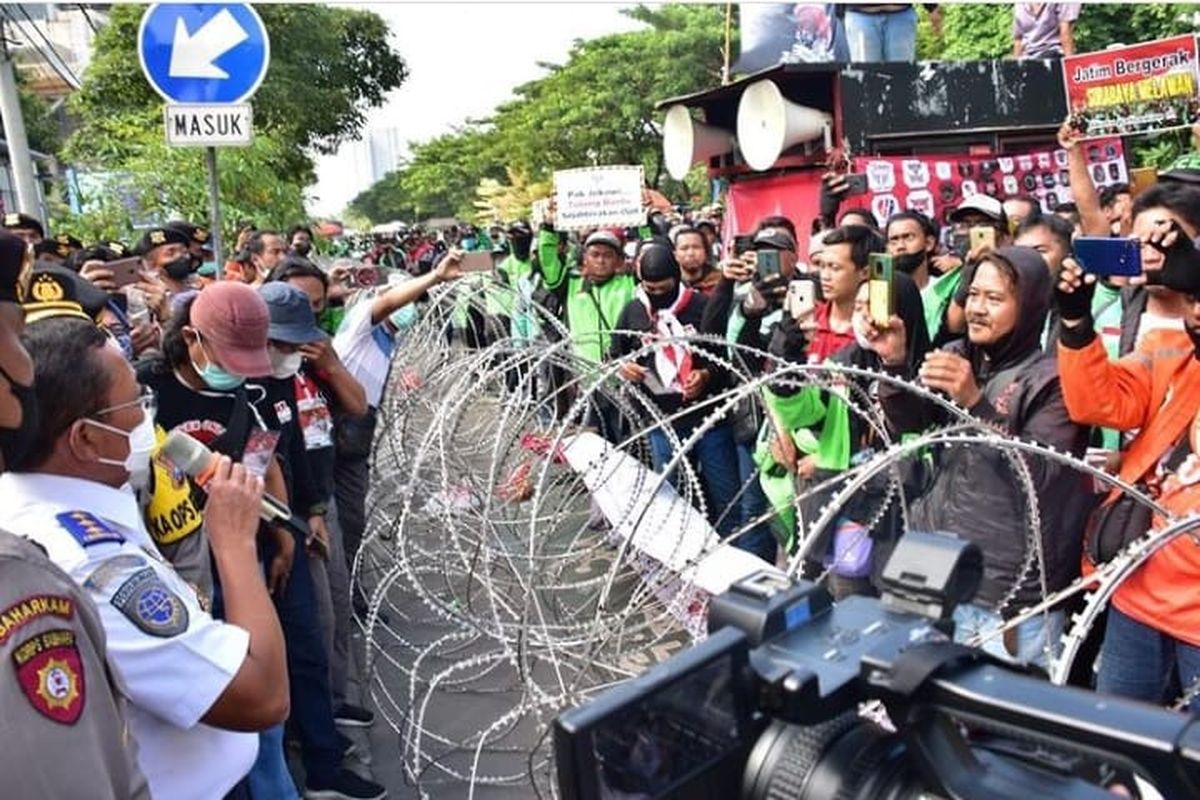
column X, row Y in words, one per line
column 931, row 184
column 934, row 185
column 1144, row 87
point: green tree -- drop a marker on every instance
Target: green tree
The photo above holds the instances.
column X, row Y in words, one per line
column 596, row 108
column 329, row 66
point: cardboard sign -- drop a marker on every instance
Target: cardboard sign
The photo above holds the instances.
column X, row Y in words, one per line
column 936, row 184
column 599, row 197
column 1126, row 90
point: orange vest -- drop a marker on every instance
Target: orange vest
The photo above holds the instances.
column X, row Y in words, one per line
column 1157, row 389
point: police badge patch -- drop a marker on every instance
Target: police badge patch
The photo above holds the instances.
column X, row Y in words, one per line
column 51, row 675
column 147, row 602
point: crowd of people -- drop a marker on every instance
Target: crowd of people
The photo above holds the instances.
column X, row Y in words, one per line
column 173, row 637
column 165, row 631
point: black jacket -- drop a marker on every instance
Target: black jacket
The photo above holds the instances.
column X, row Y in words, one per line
column 975, row 492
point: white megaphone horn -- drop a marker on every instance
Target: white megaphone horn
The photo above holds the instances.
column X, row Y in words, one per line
column 687, row 142
column 768, row 124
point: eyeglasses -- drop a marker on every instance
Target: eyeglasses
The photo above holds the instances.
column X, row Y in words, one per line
column 147, row 400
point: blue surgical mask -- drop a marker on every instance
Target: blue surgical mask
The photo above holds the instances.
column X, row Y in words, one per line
column 215, row 377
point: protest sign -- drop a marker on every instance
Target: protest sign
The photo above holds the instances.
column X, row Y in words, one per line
column 604, row 197
column 1137, row 89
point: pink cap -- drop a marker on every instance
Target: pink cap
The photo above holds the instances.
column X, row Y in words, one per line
column 233, row 320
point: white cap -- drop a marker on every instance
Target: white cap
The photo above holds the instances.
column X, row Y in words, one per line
column 980, row 203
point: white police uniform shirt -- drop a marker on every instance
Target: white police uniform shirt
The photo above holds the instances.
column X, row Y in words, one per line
column 173, row 657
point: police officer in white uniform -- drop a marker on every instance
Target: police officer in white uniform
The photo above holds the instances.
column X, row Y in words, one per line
column 194, row 683
column 62, row 720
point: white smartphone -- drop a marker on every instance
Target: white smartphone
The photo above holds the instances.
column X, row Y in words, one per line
column 801, row 298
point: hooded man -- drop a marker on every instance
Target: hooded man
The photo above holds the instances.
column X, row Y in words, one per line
column 1002, row 377
column 675, row 376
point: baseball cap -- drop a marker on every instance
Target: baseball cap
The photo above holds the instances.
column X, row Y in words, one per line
column 981, row 204
column 233, row 322
column 605, row 237
column 777, row 238
column 292, row 319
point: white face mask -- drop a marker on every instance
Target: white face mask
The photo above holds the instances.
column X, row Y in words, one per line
column 142, row 444
column 285, row 365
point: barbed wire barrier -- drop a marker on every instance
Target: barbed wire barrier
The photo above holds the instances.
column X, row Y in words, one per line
column 517, row 562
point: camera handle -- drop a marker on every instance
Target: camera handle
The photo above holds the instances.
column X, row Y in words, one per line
column 927, row 682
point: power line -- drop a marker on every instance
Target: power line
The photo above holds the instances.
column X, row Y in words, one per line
column 56, row 62
column 75, row 78
column 87, row 17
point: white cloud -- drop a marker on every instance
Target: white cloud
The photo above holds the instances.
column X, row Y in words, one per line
column 464, row 59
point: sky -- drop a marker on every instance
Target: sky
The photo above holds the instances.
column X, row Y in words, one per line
column 464, row 59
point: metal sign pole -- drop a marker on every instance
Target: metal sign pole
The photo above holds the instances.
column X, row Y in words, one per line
column 214, row 207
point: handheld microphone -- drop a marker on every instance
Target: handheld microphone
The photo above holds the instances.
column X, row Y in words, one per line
column 199, row 463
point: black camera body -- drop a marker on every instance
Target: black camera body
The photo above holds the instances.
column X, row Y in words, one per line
column 767, row 706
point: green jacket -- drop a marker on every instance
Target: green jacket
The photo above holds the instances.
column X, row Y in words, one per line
column 591, row 310
column 499, row 300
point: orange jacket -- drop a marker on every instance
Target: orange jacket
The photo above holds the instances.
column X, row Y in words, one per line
column 1156, row 389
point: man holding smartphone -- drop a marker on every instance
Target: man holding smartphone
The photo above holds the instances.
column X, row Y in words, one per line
column 978, row 226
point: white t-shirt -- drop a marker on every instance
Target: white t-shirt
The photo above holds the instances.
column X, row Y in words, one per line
column 365, row 349
column 173, row 659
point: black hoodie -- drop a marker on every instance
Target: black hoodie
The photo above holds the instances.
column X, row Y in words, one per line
column 975, row 492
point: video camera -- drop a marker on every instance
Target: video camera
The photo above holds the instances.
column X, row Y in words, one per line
column 767, row 706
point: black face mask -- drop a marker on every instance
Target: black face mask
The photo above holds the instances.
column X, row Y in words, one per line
column 302, row 248
column 16, row 442
column 908, row 263
column 180, row 268
column 660, row 302
column 521, row 247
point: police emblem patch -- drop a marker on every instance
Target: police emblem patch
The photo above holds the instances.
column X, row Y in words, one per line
column 51, row 675
column 150, row 605
column 86, row 529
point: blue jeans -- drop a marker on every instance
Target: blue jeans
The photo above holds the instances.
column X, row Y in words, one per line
column 759, row 540
column 269, row 778
column 882, row 37
column 715, row 457
column 1137, row 661
column 1032, row 635
column 308, row 675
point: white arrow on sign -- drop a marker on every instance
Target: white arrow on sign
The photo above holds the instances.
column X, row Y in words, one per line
column 193, row 54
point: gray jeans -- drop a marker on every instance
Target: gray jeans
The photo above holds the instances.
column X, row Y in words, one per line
column 331, row 580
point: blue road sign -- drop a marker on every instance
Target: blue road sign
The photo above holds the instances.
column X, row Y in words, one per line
column 203, row 52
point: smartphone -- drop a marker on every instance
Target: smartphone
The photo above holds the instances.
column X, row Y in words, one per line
column 126, row 271
column 881, row 303
column 982, row 235
column 766, row 264
column 1104, row 255
column 477, row 261
column 742, row 244
column 802, row 296
column 856, row 184
column 960, row 245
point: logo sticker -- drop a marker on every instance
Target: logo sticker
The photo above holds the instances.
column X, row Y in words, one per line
column 922, row 201
column 1006, row 165
column 86, row 529
column 51, row 675
column 916, row 174
column 881, row 176
column 883, row 206
column 944, row 170
column 152, row 607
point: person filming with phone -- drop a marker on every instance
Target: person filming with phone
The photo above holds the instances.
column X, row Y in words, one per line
column 1001, row 376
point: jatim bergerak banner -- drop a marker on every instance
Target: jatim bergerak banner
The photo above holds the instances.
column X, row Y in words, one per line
column 1136, row 89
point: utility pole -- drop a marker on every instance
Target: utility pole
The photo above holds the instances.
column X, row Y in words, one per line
column 14, row 133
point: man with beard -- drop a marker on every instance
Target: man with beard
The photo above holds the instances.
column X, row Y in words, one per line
column 691, row 251
column 1001, row 376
